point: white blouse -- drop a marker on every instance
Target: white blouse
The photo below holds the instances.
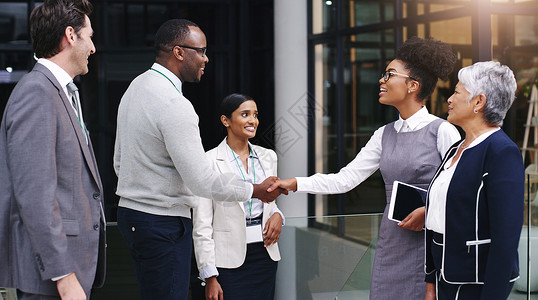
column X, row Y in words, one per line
column 435, row 217
column 367, row 160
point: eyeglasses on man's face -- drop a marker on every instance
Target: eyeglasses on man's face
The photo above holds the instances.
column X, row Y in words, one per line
column 201, row 50
column 388, row 74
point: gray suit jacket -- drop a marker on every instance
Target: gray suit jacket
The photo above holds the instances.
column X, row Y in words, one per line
column 51, row 220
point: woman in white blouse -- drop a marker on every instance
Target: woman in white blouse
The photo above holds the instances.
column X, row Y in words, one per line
column 407, row 150
column 236, row 242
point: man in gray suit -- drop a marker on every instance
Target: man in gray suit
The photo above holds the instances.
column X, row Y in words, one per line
column 51, row 215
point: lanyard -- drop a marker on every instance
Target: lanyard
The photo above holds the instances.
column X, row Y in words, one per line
column 166, row 78
column 244, row 179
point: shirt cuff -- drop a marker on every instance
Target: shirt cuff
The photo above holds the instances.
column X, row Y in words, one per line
column 276, row 210
column 430, row 278
column 208, row 271
column 303, row 184
column 59, row 277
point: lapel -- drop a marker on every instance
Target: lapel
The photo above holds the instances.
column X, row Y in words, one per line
column 86, row 148
column 221, row 158
column 265, row 160
column 224, row 165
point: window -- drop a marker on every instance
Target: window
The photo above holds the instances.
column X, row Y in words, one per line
column 350, row 52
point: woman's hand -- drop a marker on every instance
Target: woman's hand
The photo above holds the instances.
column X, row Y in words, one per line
column 430, row 291
column 213, row 291
column 271, row 232
column 289, row 184
column 415, row 220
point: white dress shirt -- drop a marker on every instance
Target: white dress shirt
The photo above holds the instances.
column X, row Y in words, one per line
column 60, row 75
column 367, row 160
column 64, row 79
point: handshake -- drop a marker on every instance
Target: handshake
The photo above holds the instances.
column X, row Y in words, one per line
column 272, row 187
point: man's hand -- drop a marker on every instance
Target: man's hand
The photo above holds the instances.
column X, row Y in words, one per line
column 289, row 184
column 271, row 232
column 69, row 288
column 260, row 190
column 415, row 220
column 213, row 291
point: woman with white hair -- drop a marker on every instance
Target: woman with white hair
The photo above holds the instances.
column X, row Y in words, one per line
column 474, row 211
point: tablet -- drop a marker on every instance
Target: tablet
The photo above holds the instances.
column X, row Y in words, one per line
column 404, row 199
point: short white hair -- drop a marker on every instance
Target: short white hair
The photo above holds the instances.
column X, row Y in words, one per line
column 496, row 82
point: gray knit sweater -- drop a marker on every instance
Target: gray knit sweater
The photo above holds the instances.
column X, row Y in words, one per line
column 158, row 157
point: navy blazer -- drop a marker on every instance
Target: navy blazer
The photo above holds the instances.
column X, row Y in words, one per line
column 484, row 216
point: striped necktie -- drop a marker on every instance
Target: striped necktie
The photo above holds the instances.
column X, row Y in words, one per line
column 75, row 99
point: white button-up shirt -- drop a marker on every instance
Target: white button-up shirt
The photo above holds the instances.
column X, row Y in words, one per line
column 367, row 160
column 435, row 218
column 60, row 74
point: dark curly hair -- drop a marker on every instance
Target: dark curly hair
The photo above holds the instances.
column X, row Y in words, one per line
column 427, row 60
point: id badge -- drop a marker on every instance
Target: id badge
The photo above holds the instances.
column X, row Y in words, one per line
column 254, row 234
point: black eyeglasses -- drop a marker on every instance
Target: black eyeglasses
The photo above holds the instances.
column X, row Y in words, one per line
column 387, row 74
column 203, row 50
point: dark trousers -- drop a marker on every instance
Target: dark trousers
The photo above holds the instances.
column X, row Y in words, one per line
column 161, row 248
column 450, row 291
column 26, row 296
column 254, row 279
column 445, row 290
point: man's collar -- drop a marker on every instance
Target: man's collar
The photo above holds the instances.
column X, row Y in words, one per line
column 61, row 75
column 175, row 80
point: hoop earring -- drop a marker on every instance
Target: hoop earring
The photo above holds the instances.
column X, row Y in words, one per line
column 475, row 111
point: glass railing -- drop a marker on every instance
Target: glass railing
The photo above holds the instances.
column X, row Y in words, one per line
column 323, row 257
column 526, row 287
column 320, row 255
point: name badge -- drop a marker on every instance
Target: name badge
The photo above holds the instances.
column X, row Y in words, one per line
column 254, row 234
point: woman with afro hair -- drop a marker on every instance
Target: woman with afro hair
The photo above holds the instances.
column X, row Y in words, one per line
column 408, row 150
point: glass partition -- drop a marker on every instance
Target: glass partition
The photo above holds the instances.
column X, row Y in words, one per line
column 417, row 8
column 359, row 13
column 317, row 263
column 526, row 287
column 324, row 16
column 320, row 263
column 325, row 124
column 365, row 58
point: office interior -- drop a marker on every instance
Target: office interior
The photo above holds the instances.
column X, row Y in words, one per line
column 313, row 68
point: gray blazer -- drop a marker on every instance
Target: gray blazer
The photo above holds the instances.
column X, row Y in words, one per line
column 51, row 220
